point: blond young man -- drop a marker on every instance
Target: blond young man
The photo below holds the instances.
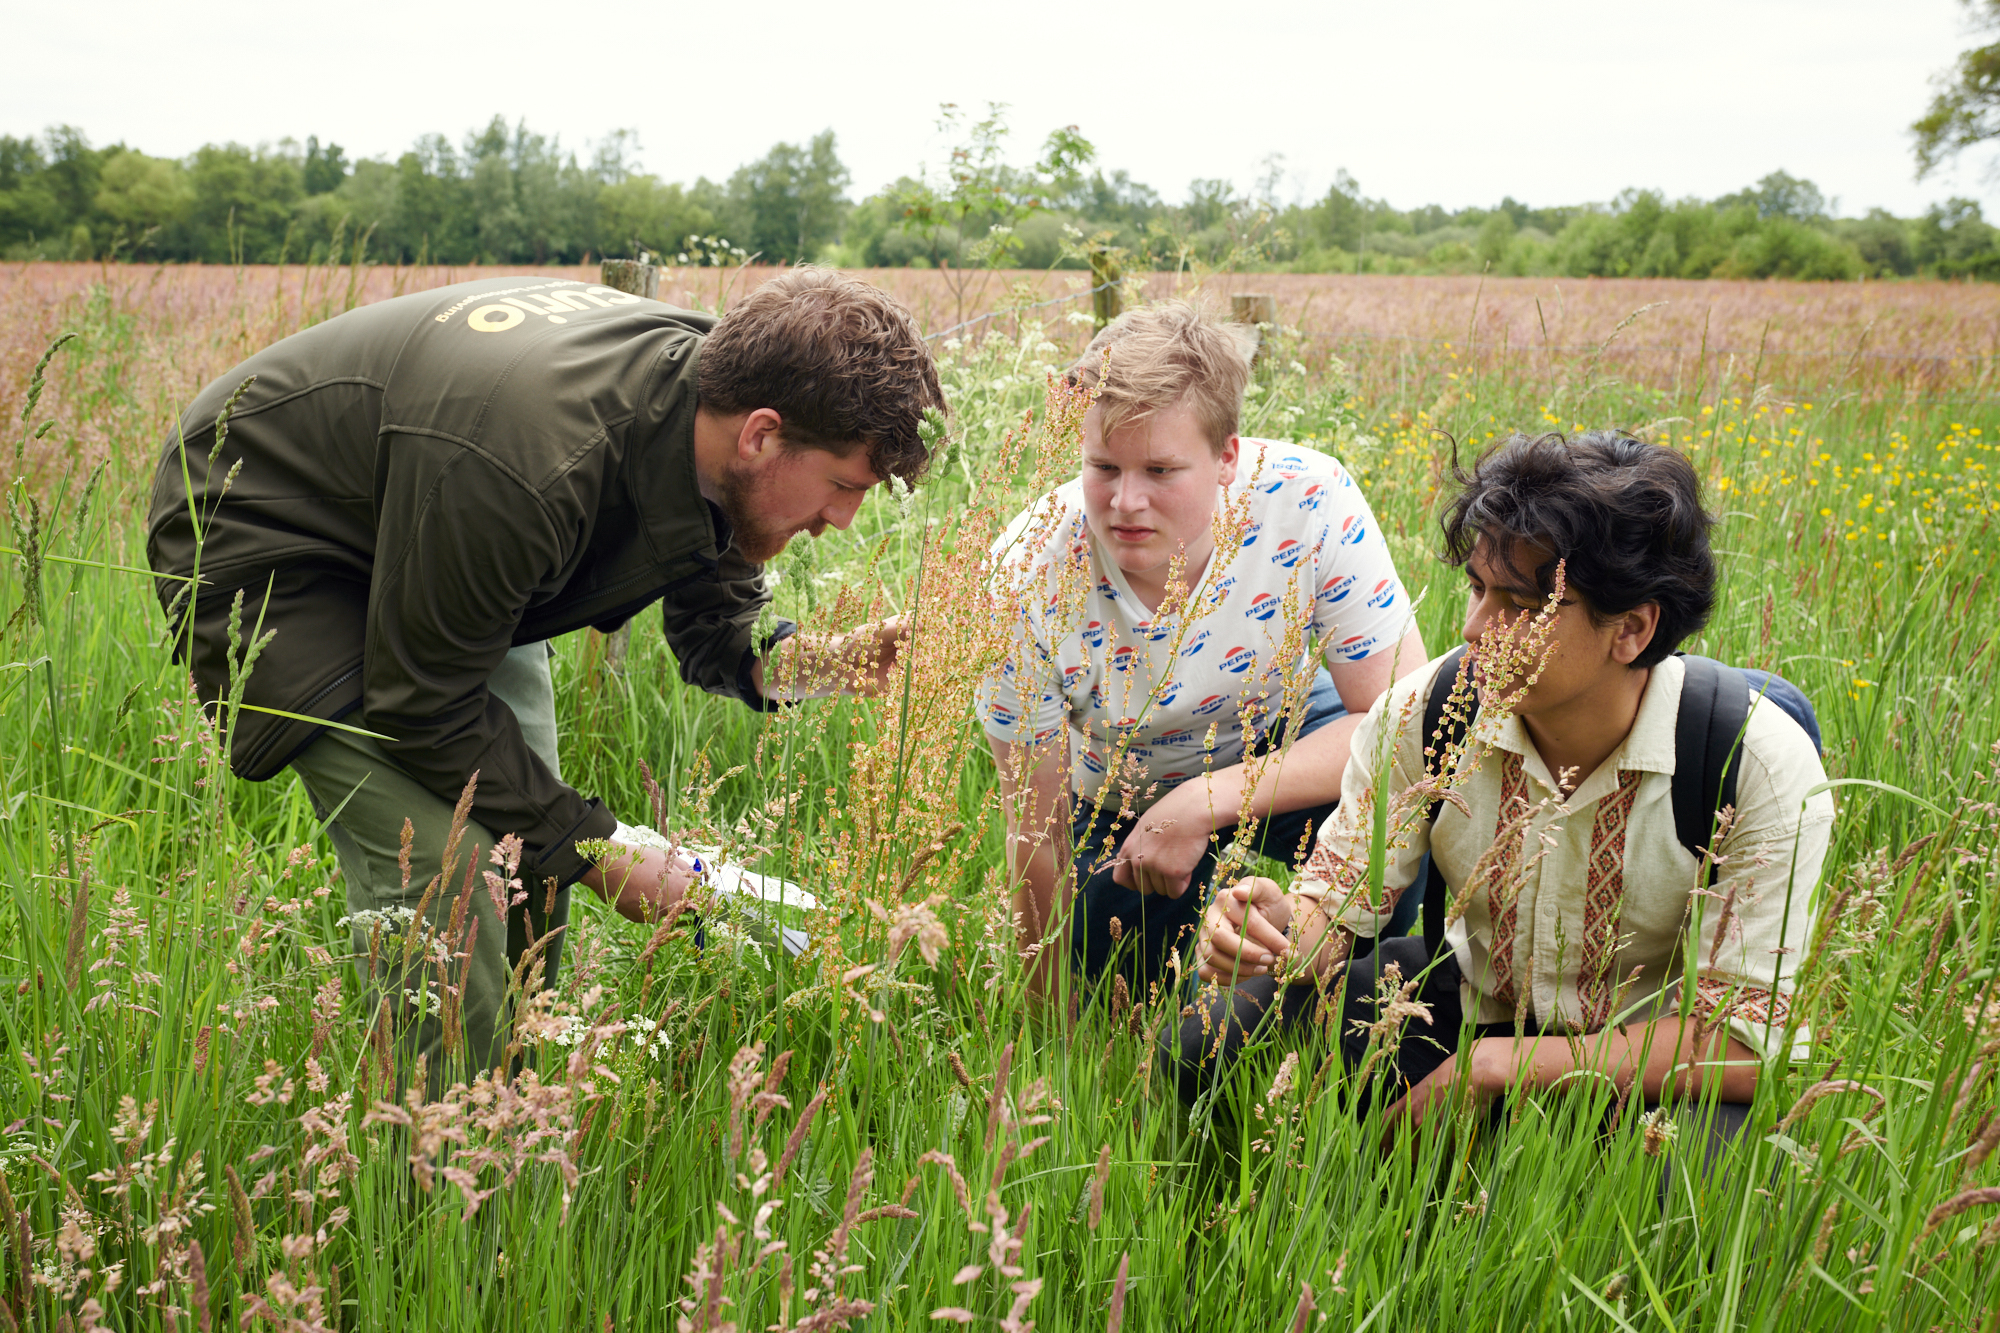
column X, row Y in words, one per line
column 1190, row 601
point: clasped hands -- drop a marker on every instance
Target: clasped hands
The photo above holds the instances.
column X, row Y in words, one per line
column 1247, row 933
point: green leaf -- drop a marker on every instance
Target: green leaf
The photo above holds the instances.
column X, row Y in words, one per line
column 318, row 721
column 1831, row 783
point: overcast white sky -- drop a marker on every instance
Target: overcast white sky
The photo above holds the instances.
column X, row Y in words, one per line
column 1451, row 101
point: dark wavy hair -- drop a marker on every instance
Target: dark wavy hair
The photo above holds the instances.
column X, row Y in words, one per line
column 840, row 361
column 1625, row 515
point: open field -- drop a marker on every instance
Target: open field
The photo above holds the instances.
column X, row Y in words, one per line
column 1941, row 340
column 193, row 1131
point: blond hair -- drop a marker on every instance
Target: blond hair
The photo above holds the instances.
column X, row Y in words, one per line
column 1151, row 359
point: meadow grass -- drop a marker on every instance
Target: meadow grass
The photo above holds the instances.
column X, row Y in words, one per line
column 197, row 1132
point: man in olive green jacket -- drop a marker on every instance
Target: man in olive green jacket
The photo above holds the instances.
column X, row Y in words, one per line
column 410, row 499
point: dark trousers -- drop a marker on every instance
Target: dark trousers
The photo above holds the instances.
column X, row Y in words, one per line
column 1211, row 1039
column 1150, row 927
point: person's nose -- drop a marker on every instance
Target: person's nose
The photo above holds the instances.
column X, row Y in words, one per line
column 1129, row 495
column 840, row 513
column 1478, row 614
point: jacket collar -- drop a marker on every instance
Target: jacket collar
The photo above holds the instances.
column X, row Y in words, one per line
column 679, row 522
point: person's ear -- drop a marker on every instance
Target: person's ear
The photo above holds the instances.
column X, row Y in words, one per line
column 759, row 435
column 1232, row 449
column 1634, row 632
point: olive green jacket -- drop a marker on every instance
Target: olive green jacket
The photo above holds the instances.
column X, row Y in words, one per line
column 413, row 488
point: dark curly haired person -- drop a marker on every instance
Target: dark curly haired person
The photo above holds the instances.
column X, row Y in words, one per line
column 1589, row 941
column 410, row 499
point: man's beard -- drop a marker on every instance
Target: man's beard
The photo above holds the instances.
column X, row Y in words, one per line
column 737, row 496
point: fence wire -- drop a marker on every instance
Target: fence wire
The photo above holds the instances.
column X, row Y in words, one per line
column 1004, row 311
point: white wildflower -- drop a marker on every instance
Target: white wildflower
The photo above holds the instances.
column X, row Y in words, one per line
column 390, row 919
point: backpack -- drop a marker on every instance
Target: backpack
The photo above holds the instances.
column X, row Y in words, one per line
column 1708, row 741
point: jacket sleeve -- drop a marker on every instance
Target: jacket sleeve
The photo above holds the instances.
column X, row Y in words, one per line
column 711, row 625
column 460, row 548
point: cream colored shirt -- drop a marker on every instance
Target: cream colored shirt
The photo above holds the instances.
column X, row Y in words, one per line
column 1598, row 930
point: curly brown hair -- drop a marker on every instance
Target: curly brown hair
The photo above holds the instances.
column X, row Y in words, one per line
column 839, row 361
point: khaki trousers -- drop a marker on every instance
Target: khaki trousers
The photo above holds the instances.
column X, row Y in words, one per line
column 373, row 795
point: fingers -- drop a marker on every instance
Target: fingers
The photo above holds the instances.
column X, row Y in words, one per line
column 1216, row 954
column 1132, row 870
column 1224, row 962
column 1227, row 954
column 1263, row 933
column 1435, row 1095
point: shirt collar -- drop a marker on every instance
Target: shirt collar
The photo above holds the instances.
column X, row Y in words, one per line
column 1647, row 748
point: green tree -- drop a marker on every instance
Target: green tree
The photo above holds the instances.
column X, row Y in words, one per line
column 141, row 197
column 324, row 169
column 878, row 234
column 1496, row 234
column 1780, row 195
column 241, row 204
column 1953, row 239
column 967, row 217
column 1966, row 110
column 1883, row 242
column 1336, row 221
column 360, row 207
column 431, row 213
column 1785, row 247
column 30, row 214
column 790, row 202
column 644, row 213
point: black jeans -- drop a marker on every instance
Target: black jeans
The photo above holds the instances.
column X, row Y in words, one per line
column 1211, row 1039
column 1151, row 927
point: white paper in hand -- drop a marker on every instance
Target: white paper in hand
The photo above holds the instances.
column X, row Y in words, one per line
column 730, row 880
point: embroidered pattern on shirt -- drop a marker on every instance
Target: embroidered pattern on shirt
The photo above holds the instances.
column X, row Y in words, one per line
column 1716, row 1000
column 1505, row 915
column 1604, row 902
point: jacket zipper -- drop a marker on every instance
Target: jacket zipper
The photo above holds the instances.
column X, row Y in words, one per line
column 250, row 761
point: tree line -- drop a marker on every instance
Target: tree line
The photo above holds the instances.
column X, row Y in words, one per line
column 508, row 195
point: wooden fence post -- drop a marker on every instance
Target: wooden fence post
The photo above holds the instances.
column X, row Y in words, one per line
column 632, row 275
column 640, row 279
column 1108, row 301
column 1258, row 310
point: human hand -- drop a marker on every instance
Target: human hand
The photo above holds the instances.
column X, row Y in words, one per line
column 1455, row 1085
column 814, row 666
column 877, row 650
column 1159, row 855
column 1243, row 932
column 642, row 883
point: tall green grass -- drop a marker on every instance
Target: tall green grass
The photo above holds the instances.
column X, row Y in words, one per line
column 184, row 1069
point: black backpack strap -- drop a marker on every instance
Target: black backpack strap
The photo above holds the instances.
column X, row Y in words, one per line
column 1708, row 747
column 1436, row 892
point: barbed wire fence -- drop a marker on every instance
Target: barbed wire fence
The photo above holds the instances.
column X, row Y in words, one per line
column 1001, row 312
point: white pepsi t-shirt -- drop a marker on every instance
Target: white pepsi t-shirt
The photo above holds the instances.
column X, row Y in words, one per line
column 1161, row 698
